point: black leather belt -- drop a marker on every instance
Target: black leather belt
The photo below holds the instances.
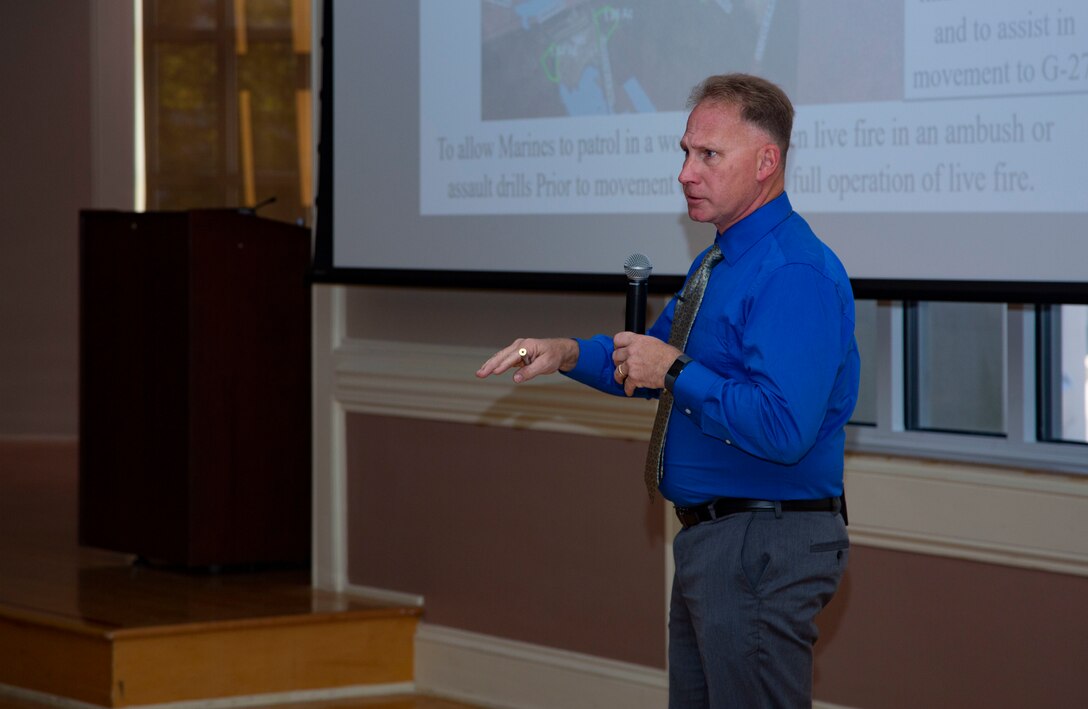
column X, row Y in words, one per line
column 691, row 516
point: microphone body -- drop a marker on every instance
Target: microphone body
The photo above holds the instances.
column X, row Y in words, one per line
column 638, row 268
column 635, row 320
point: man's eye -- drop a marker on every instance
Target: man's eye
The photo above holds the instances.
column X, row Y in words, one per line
column 709, row 154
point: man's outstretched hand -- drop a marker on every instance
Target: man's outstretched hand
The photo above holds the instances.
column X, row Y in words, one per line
column 531, row 358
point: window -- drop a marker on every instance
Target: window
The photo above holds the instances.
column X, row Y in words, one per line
column 227, row 87
column 955, row 373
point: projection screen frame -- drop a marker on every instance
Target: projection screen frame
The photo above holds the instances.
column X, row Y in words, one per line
column 324, row 270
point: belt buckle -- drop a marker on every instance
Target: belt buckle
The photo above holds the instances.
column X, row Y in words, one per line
column 687, row 516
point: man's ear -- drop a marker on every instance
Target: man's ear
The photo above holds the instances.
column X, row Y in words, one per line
column 769, row 158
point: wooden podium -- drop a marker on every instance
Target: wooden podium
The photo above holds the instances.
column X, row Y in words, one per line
column 195, row 387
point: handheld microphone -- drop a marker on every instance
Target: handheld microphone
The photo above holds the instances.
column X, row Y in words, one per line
column 638, row 268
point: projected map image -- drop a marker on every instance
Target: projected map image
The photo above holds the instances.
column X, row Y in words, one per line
column 549, row 58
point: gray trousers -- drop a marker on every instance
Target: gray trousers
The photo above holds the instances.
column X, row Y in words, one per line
column 745, row 596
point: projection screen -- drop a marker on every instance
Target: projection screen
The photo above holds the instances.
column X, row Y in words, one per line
column 939, row 145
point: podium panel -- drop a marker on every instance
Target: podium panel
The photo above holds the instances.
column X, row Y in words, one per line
column 195, row 387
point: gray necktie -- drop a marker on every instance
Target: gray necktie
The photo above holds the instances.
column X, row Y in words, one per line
column 683, row 317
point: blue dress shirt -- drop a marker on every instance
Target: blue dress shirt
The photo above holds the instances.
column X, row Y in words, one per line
column 760, row 411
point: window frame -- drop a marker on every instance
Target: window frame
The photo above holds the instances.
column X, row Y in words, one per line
column 1020, row 447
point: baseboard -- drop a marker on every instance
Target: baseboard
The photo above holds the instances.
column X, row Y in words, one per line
column 505, row 674
column 495, row 672
column 384, row 596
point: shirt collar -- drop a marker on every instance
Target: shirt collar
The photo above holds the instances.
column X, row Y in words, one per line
column 737, row 239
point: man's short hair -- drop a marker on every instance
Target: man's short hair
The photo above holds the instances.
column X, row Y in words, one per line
column 761, row 102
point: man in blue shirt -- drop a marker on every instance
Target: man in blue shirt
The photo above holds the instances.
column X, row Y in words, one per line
column 756, row 398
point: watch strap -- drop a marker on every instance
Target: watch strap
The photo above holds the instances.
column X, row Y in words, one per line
column 674, row 371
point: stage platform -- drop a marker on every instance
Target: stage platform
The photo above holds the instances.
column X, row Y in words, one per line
column 96, row 627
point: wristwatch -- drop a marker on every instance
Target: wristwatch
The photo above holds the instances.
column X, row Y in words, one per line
column 674, row 371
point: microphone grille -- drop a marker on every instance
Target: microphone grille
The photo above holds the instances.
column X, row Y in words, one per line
column 637, row 267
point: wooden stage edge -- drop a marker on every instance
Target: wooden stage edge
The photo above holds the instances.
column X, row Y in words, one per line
column 205, row 660
column 89, row 626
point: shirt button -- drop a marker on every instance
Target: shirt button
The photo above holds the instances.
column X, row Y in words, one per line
column 728, row 442
column 687, row 411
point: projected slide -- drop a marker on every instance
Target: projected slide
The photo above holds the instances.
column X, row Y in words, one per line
column 934, row 139
column 577, row 107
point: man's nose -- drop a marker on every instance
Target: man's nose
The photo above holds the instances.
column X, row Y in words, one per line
column 685, row 175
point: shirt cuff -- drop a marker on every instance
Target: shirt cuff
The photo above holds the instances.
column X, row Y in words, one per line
column 593, row 354
column 689, row 389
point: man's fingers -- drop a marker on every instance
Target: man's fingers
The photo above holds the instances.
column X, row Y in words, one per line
column 501, row 361
column 526, row 373
column 518, row 354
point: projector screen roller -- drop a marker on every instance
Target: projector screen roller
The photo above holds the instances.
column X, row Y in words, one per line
column 938, row 147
